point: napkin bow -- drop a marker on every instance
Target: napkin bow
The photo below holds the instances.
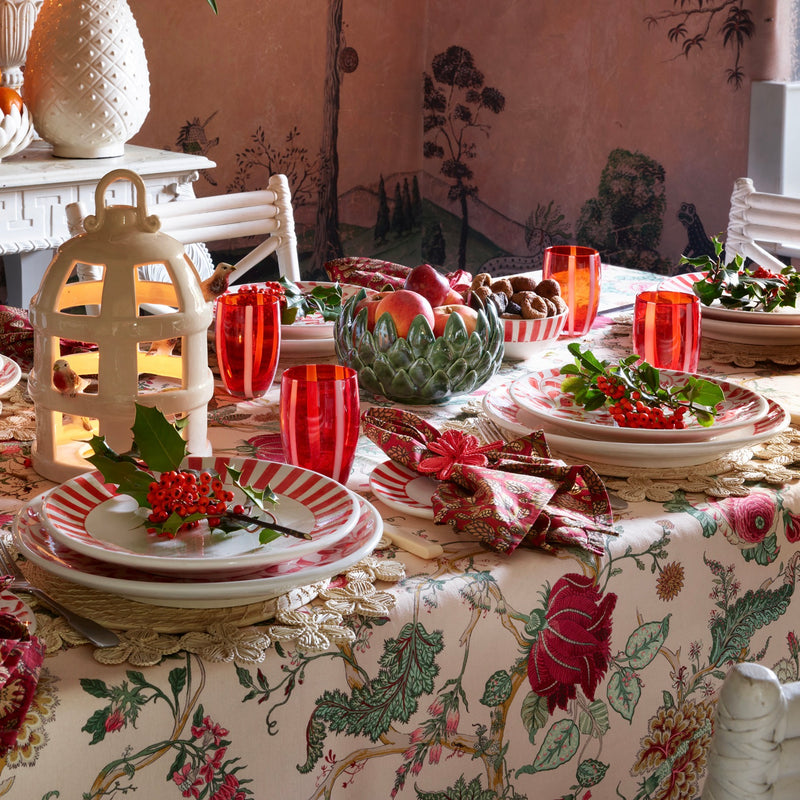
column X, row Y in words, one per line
column 505, row 494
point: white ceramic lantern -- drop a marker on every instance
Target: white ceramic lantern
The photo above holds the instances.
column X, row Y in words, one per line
column 110, row 313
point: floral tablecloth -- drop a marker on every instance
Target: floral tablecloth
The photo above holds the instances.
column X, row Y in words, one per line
column 531, row 675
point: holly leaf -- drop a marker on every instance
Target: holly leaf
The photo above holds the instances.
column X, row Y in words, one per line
column 327, row 300
column 159, row 443
column 259, row 496
column 125, row 474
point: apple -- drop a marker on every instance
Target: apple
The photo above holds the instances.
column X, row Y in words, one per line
column 453, row 298
column 442, row 313
column 403, row 306
column 429, row 282
column 371, row 304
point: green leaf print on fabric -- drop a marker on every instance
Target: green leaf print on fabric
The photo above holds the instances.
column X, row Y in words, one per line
column 460, row 790
column 731, row 632
column 408, row 671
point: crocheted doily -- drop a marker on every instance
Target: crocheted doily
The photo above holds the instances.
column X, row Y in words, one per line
column 312, row 618
column 18, row 420
column 748, row 355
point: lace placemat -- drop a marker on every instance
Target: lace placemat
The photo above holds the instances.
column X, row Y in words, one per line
column 749, row 355
column 17, row 417
column 311, row 618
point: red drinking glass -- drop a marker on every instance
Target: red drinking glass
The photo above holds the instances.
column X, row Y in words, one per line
column 248, row 338
column 666, row 329
column 320, row 418
column 577, row 270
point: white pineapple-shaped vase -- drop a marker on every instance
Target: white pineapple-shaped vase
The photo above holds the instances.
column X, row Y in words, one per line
column 86, row 79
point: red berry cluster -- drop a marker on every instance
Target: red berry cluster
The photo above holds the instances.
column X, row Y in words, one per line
column 271, row 289
column 188, row 494
column 761, row 272
column 629, row 411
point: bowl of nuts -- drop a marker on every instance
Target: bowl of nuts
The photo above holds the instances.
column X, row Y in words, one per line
column 532, row 311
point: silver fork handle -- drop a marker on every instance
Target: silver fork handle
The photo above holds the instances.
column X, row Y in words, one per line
column 93, row 631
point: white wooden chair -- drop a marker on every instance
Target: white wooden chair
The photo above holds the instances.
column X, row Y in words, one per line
column 755, row 749
column 266, row 212
column 760, row 224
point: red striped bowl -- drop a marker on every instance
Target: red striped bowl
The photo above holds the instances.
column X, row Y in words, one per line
column 526, row 337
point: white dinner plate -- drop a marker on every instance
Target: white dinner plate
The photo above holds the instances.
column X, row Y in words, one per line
column 684, row 283
column 265, row 583
column 540, row 394
column 10, row 374
column 403, row 489
column 501, row 408
column 89, row 516
column 301, row 348
column 749, row 333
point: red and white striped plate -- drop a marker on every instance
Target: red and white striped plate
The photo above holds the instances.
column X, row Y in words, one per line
column 10, row 373
column 503, row 410
column 540, row 394
column 185, row 591
column 403, row 489
column 11, row 604
column 90, row 517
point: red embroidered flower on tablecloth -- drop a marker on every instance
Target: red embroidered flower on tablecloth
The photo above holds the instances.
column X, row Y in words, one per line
column 455, row 447
column 574, row 645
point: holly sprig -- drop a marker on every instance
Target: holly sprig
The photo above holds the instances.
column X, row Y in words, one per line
column 327, row 300
column 632, row 391
column 744, row 288
column 159, row 449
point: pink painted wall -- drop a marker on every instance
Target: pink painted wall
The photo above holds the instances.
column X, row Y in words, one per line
column 580, row 79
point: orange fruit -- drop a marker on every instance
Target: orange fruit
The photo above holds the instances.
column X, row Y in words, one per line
column 8, row 98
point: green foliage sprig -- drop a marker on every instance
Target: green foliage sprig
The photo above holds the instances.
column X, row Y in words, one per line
column 595, row 384
column 160, row 448
column 738, row 287
column 327, row 300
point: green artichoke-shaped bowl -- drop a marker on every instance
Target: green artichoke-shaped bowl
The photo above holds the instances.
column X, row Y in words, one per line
column 419, row 369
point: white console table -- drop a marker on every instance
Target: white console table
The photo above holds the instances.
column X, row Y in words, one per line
column 35, row 188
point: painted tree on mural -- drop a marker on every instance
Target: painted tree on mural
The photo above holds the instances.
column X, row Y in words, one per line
column 455, row 104
column 327, row 244
column 624, row 222
column 693, row 26
column 261, row 158
column 382, row 223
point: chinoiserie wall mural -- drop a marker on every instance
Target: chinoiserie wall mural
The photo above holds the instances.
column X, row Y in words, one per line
column 472, row 134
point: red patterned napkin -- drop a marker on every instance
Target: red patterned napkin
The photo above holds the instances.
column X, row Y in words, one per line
column 502, row 493
column 16, row 338
column 376, row 274
column 21, row 658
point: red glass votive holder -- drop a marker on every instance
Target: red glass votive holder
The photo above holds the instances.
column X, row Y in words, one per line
column 248, row 341
column 666, row 329
column 320, row 418
column 578, row 272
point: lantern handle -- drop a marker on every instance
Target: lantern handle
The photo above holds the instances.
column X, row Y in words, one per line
column 149, row 223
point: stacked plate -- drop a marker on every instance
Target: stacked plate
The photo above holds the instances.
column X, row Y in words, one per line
column 86, row 532
column 10, row 374
column 535, row 402
column 781, row 327
column 312, row 335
